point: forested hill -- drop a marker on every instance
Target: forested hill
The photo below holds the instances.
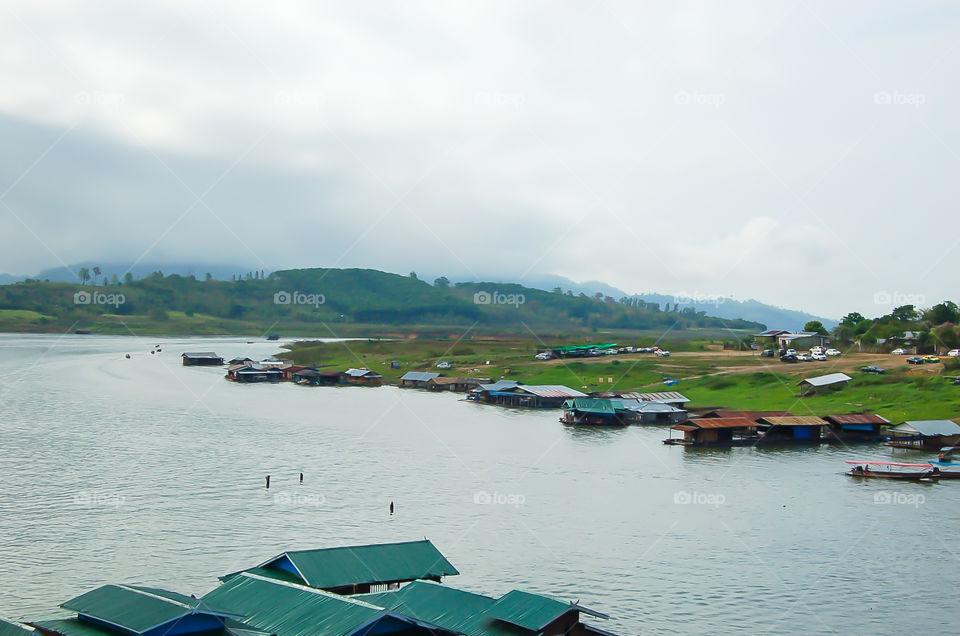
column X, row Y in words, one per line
column 358, row 296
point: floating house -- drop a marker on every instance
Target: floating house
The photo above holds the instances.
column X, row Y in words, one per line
column 461, row 612
column 750, row 415
column 925, row 434
column 241, row 361
column 823, row 383
column 611, row 412
column 672, row 398
column 715, row 431
column 791, row 429
column 357, row 569
column 856, row 427
column 528, row 395
column 458, row 385
column 416, row 379
column 202, row 359
column 290, row 371
column 254, row 372
column 363, row 377
column 643, row 412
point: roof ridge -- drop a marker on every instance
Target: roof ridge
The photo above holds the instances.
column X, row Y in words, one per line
column 312, row 590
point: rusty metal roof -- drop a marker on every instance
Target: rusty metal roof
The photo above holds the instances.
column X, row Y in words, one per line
column 750, row 415
column 794, row 420
column 718, row 422
column 857, row 418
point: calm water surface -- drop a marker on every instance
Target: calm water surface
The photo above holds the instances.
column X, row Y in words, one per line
column 145, row 471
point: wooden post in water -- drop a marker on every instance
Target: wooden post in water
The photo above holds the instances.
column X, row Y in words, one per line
column 391, row 507
column 268, row 481
column 301, row 478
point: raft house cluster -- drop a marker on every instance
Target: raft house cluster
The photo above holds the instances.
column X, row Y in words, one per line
column 700, row 428
column 369, row 590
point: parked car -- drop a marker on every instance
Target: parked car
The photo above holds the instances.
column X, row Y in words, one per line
column 931, row 359
column 900, row 352
column 766, row 353
column 833, row 352
column 873, row 369
column 791, row 352
column 789, row 357
column 663, row 353
column 819, row 357
column 781, row 353
column 543, row 355
column 914, row 360
column 804, row 357
column 443, row 365
column 953, row 353
column 645, row 350
column 816, row 350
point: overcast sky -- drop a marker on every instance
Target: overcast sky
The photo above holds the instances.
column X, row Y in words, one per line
column 801, row 153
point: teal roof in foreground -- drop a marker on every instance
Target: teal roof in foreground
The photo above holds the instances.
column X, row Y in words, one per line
column 13, row 628
column 533, row 611
column 330, row 568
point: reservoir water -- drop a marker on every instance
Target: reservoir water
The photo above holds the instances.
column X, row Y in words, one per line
column 143, row 471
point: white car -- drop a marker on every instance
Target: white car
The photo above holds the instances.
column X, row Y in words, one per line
column 663, row 353
column 804, row 357
column 833, row 352
column 791, row 352
column 899, row 352
column 443, row 365
column 818, row 357
column 543, row 355
column 816, row 350
column 954, row 353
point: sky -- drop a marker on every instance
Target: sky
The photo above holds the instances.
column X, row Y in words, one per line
column 800, row 153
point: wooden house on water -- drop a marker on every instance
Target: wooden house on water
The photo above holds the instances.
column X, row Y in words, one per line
column 612, row 412
column 925, row 434
column 855, row 427
column 361, row 377
column 417, row 379
column 457, row 385
column 791, row 429
column 714, row 431
column 527, row 395
column 201, row 359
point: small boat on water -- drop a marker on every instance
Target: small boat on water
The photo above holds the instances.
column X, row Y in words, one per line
column 893, row 470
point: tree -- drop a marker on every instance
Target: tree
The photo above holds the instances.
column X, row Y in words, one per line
column 127, row 278
column 413, row 275
column 208, row 276
column 852, row 319
column 906, row 313
column 83, row 275
column 114, row 280
column 443, row 282
column 96, row 273
column 815, row 326
column 947, row 311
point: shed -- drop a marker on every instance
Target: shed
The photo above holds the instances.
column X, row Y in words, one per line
column 932, row 434
column 364, row 377
column 830, row 381
column 541, row 395
column 357, row 569
column 856, row 426
column 201, row 359
column 417, row 379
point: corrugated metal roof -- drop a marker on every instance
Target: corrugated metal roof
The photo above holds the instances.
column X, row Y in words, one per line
column 750, row 415
column 378, row 563
column 359, row 373
column 662, row 396
column 650, row 407
column 857, row 418
column 532, row 611
column 500, row 385
column 288, row 609
column 201, row 354
column 419, row 376
column 928, row 427
column 794, row 420
column 824, row 380
column 593, row 405
column 137, row 609
column 13, row 628
column 73, row 627
column 551, row 391
column 453, row 609
column 719, row 422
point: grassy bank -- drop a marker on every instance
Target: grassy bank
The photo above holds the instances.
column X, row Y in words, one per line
column 727, row 379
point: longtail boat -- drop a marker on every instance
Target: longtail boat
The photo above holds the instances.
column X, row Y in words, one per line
column 889, row 470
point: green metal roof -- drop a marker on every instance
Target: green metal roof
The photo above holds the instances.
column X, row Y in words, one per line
column 532, row 611
column 13, row 628
column 289, row 609
column 74, row 627
column 270, row 573
column 329, row 568
column 594, row 405
column 442, row 605
column 585, row 347
column 136, row 609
